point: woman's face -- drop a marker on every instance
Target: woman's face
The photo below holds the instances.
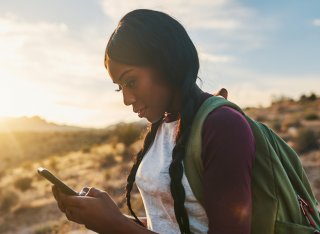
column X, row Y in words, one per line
column 143, row 88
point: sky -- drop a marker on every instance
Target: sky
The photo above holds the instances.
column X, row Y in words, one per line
column 52, row 52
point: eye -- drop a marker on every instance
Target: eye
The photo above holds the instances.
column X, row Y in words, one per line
column 119, row 89
column 130, row 84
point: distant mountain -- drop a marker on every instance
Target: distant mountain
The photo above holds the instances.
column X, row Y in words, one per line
column 34, row 124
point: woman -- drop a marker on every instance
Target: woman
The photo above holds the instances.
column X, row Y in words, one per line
column 155, row 65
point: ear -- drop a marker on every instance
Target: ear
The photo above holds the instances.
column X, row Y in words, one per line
column 222, row 92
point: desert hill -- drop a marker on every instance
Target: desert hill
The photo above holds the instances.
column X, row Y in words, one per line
column 103, row 157
column 34, row 123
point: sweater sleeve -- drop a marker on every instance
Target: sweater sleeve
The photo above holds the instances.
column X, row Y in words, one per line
column 227, row 153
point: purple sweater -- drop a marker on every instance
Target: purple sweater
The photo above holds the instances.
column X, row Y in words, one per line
column 228, row 149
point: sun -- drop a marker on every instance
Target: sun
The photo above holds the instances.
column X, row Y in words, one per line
column 17, row 97
column 7, row 96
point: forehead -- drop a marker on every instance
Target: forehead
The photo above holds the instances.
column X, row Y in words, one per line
column 115, row 69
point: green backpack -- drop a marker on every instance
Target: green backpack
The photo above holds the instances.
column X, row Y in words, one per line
column 282, row 199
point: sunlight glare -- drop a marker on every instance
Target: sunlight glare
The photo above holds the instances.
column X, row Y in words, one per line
column 19, row 97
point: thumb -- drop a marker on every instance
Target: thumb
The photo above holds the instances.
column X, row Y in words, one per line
column 93, row 192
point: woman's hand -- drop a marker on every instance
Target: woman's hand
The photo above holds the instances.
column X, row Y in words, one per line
column 95, row 209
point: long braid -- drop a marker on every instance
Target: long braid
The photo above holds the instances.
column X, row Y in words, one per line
column 178, row 154
column 132, row 175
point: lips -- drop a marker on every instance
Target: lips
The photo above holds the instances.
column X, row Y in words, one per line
column 141, row 112
column 137, row 110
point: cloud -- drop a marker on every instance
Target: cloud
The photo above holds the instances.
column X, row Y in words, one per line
column 43, row 66
column 218, row 26
column 316, row 22
column 17, row 35
column 208, row 14
column 249, row 88
column 48, row 53
column 53, row 71
column 206, row 57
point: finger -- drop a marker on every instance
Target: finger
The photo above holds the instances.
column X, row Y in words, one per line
column 69, row 215
column 72, row 201
column 93, row 192
column 73, row 214
column 55, row 192
column 84, row 191
column 61, row 207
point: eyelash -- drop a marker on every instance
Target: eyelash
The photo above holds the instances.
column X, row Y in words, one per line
column 129, row 84
column 119, row 89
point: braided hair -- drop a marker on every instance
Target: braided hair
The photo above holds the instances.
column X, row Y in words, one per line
column 151, row 38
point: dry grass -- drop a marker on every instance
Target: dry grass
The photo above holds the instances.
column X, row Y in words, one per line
column 27, row 203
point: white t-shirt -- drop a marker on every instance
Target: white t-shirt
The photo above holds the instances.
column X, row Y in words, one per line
column 153, row 182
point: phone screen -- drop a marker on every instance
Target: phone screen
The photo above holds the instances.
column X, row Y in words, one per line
column 54, row 180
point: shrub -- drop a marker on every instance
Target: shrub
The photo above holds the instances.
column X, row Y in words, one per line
column 86, row 150
column 261, row 118
column 280, row 99
column 128, row 132
column 311, row 116
column 23, row 183
column 8, row 200
column 290, row 121
column 306, row 140
column 304, row 98
column 312, row 97
column 108, row 161
column 276, row 125
column 44, row 230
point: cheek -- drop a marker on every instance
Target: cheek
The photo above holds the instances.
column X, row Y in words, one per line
column 154, row 92
column 161, row 101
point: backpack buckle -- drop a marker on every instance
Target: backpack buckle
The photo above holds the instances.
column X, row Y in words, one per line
column 305, row 207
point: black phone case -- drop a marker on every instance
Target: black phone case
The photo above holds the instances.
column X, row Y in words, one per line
column 54, row 180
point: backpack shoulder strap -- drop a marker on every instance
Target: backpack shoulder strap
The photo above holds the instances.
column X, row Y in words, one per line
column 277, row 175
column 192, row 162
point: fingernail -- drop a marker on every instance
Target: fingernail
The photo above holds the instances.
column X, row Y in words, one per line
column 84, row 191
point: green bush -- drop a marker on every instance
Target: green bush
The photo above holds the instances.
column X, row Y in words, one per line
column 44, row 230
column 306, row 140
column 311, row 116
column 276, row 125
column 311, row 97
column 23, row 183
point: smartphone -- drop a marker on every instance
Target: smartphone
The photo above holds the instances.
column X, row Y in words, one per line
column 54, row 180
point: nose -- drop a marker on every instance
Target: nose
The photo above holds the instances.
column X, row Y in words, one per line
column 128, row 97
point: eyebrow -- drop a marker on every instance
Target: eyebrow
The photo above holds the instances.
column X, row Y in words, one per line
column 122, row 75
